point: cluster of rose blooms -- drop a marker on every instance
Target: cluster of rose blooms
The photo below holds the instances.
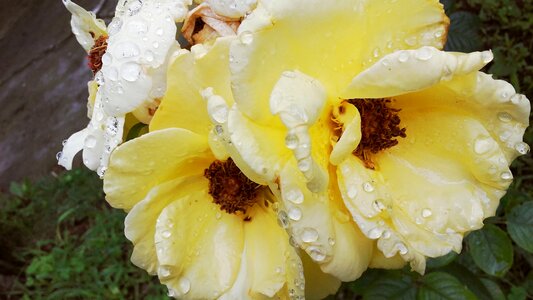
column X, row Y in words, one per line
column 291, row 144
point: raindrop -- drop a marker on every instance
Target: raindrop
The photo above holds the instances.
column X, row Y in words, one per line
column 107, row 59
column 127, row 49
column 386, row 234
column 403, row 57
column 522, row 148
column 352, row 191
column 166, row 234
column 426, row 213
column 99, row 78
column 289, row 74
column 112, row 126
column 130, row 71
column 283, row 219
column 291, row 141
column 505, row 117
column 219, row 113
column 309, row 235
column 159, row 31
column 64, row 142
column 278, row 270
column 164, row 272
column 135, row 7
column 90, row 141
column 59, row 155
column 155, row 45
column 482, row 145
column 438, row 34
column 305, row 164
column 149, row 56
column 316, row 253
column 385, row 62
column 295, row 213
column 368, row 187
column 114, row 26
column 219, row 130
column 378, row 206
column 295, row 196
column 184, row 285
column 424, row 54
column 506, row 175
column 376, row 52
column 375, row 233
column 218, row 215
column 331, row 241
column 137, row 27
column 246, row 37
column 110, row 73
column 411, row 41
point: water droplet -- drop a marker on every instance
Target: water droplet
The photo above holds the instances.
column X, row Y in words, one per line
column 385, row 62
column 135, row 7
column 386, row 234
column 411, row 41
column 316, row 253
column 289, row 74
column 505, row 117
column 130, row 71
column 368, row 187
column 331, row 241
column 63, row 142
column 295, row 196
column 305, row 164
column 155, row 45
column 309, row 235
column 291, row 141
column 166, row 234
column 126, row 50
column 246, row 37
column 401, row 248
column 114, row 26
column 283, row 219
column 295, row 213
column 426, row 213
column 378, row 205
column 99, row 78
column 59, row 155
column 438, row 33
column 107, row 59
column 483, row 145
column 164, row 272
column 351, row 191
column 149, row 56
column 137, row 27
column 184, row 285
column 522, row 148
column 110, row 73
column 403, row 57
column 172, row 293
column 278, row 270
column 90, row 141
column 218, row 215
column 506, row 175
column 219, row 130
column 159, row 31
column 424, row 54
column 112, row 126
column 375, row 233
column 376, row 52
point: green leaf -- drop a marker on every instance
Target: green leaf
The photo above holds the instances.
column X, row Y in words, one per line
column 439, row 285
column 468, row 278
column 491, row 250
column 520, row 225
column 496, row 292
column 448, row 6
column 463, row 35
column 393, row 285
column 439, row 262
column 517, row 293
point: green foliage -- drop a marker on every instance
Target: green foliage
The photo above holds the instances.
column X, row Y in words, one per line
column 66, row 243
column 491, row 250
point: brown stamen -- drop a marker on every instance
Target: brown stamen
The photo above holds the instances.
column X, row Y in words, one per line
column 229, row 187
column 97, row 51
column 379, row 128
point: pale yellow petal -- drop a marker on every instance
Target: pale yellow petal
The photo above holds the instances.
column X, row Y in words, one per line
column 379, row 261
column 140, row 222
column 153, row 158
column 347, row 35
column 318, row 285
column 188, row 75
column 198, row 247
column 413, row 70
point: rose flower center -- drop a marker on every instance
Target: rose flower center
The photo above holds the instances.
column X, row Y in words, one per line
column 230, row 188
column 97, row 51
column 380, row 126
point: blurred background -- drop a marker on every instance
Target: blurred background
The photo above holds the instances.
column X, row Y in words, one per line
column 60, row 240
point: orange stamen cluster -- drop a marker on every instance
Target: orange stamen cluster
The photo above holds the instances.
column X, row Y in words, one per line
column 97, row 51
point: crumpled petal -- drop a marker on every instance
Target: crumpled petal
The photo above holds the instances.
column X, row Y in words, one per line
column 84, row 23
column 157, row 157
column 413, row 70
column 232, row 8
column 318, row 285
column 347, row 36
column 190, row 73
